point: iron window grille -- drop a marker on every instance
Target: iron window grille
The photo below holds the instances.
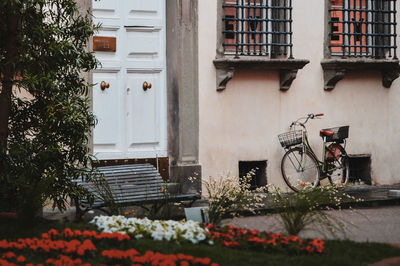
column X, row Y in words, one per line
column 258, row 27
column 363, row 28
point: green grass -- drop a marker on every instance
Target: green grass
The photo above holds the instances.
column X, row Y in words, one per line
column 337, row 252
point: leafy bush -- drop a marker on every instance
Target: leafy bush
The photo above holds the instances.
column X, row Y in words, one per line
column 44, row 135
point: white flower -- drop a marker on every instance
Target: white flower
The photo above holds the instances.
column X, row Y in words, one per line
column 157, row 230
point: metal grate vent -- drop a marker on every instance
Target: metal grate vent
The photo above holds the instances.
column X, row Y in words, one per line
column 258, row 27
column 363, row 28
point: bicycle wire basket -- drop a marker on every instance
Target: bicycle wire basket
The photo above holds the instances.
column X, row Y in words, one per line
column 291, row 138
column 340, row 134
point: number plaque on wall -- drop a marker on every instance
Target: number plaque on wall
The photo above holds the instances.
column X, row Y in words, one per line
column 107, row 44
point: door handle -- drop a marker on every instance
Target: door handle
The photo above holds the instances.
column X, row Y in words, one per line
column 104, row 85
column 146, row 86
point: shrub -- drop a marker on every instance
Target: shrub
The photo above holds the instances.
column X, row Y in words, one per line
column 44, row 137
column 307, row 209
column 229, row 195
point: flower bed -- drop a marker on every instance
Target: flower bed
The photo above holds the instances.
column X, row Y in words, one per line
column 231, row 236
column 228, row 236
column 79, row 248
column 158, row 230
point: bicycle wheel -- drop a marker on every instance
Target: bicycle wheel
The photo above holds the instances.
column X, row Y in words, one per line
column 299, row 168
column 338, row 164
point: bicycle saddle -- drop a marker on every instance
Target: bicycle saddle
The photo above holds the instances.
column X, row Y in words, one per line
column 326, row 133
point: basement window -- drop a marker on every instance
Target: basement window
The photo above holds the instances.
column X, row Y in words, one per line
column 360, row 168
column 260, row 168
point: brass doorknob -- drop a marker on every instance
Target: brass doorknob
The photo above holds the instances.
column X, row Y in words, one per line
column 146, row 85
column 104, row 85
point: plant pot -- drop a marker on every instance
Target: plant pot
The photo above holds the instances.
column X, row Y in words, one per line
column 197, row 214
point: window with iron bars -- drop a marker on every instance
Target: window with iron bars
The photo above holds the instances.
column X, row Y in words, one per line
column 258, row 28
column 363, row 28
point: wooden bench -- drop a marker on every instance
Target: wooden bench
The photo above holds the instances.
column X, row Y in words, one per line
column 130, row 185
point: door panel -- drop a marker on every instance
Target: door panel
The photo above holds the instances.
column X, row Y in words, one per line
column 143, row 125
column 107, row 133
column 132, row 122
column 147, row 46
column 144, row 13
column 107, row 12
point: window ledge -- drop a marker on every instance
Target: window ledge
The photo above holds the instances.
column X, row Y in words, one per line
column 287, row 68
column 335, row 69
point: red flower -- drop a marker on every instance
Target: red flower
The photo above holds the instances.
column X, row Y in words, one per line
column 132, row 252
column 204, row 261
column 230, row 244
column 271, row 241
column 318, row 241
column 68, row 233
column 72, row 246
column 318, row 244
column 21, row 259
column 53, row 232
column 209, row 226
column 45, row 236
column 6, row 263
column 8, row 255
column 310, row 249
column 185, row 257
column 87, row 234
column 254, row 232
column 87, row 245
column 294, row 238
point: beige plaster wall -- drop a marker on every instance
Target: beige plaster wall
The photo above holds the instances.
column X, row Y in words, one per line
column 242, row 122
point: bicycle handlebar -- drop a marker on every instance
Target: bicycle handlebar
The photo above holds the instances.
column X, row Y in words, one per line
column 309, row 116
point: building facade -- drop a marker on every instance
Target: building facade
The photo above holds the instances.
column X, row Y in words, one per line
column 203, row 88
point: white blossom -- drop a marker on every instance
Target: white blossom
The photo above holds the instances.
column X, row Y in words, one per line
column 157, row 230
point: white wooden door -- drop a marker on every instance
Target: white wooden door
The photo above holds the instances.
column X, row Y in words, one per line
column 132, row 122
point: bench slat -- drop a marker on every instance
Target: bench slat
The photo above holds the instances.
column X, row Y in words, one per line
column 134, row 184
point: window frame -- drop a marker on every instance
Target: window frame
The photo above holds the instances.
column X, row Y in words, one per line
column 226, row 64
column 335, row 67
column 270, row 22
column 374, row 32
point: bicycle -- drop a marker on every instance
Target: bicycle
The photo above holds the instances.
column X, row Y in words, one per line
column 300, row 164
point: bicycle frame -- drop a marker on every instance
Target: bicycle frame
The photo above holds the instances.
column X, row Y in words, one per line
column 305, row 145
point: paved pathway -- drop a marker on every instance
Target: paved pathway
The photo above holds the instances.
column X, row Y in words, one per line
column 381, row 224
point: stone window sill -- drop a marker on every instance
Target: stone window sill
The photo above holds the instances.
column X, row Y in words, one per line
column 226, row 66
column 335, row 69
